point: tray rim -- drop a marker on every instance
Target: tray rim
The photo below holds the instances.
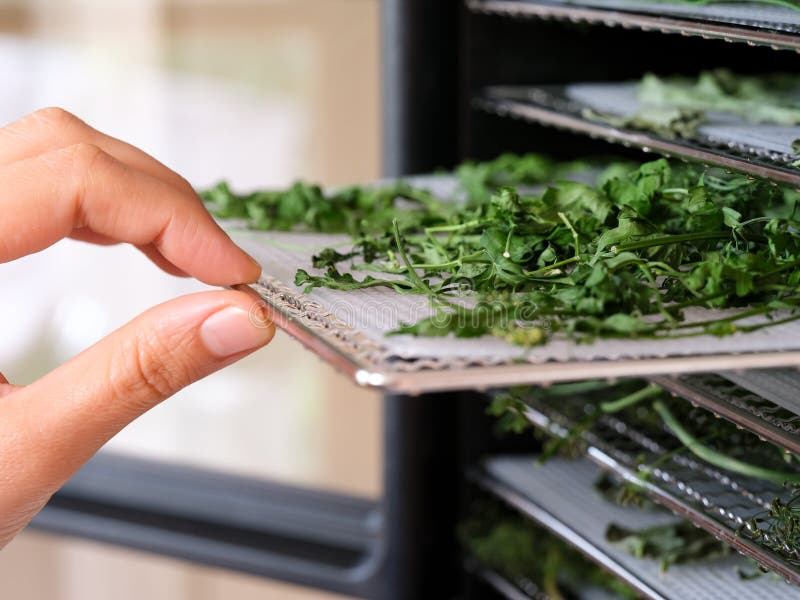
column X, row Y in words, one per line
column 333, row 342
column 495, row 100
column 757, row 34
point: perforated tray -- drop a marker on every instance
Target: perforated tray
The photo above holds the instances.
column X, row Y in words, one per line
column 780, row 386
column 710, row 498
column 760, row 150
column 559, row 495
column 755, row 24
column 349, row 330
column 764, row 402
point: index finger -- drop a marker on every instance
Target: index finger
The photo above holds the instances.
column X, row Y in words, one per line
column 47, row 197
column 52, row 128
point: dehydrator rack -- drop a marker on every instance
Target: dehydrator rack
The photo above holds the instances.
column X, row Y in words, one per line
column 714, row 500
column 554, row 106
column 753, row 24
column 559, row 495
column 349, row 330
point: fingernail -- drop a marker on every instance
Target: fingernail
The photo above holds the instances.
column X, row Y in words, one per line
column 231, row 331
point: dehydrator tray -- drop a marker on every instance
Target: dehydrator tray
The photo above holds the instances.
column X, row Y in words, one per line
column 764, row 402
column 560, row 496
column 780, row 386
column 756, row 24
column 729, row 142
column 349, row 330
column 709, row 497
column 528, row 590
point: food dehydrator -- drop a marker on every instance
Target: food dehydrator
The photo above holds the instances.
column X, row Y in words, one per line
column 469, row 80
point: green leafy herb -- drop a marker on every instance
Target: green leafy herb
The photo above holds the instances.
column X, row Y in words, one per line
column 578, row 411
column 674, row 107
column 623, row 258
column 759, row 99
column 667, row 121
column 671, row 544
column 503, row 541
column 779, row 527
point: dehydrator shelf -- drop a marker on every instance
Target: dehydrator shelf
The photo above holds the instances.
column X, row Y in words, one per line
column 502, row 585
column 753, row 24
column 779, row 386
column 710, row 498
column 745, row 149
column 728, row 399
column 349, row 330
column 527, row 590
column 560, row 496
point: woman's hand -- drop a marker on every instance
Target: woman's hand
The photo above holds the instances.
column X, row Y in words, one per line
column 61, row 178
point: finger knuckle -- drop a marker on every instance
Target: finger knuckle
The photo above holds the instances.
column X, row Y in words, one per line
column 158, row 365
column 84, row 157
column 56, row 118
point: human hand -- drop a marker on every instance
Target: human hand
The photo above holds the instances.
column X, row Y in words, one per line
column 61, row 178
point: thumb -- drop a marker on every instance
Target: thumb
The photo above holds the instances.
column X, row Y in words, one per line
column 51, row 427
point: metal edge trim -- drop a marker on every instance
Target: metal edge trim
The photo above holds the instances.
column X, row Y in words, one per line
column 617, row 18
column 493, row 376
column 486, row 377
column 761, row 428
column 532, row 112
column 322, row 348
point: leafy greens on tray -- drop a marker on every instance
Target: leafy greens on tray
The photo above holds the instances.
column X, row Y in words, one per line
column 624, row 257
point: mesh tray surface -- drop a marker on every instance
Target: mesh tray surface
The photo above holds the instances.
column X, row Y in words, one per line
column 759, row 139
column 781, row 386
column 350, row 329
column 562, row 490
column 708, row 496
column 752, row 14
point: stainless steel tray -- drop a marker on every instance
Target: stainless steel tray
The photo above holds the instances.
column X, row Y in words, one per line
column 779, row 386
column 348, row 330
column 762, row 151
column 745, row 399
column 559, row 495
column 691, row 488
column 754, row 24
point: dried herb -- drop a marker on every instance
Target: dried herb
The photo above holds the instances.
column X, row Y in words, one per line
column 779, row 528
column 675, row 107
column 672, row 544
column 770, row 98
column 533, row 559
column 623, row 258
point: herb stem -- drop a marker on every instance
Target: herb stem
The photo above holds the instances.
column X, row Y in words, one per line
column 575, row 238
column 555, row 265
column 454, row 228
column 633, row 398
column 404, row 257
column 723, row 461
column 667, row 240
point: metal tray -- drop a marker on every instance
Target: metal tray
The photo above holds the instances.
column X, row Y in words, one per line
column 559, row 495
column 762, row 151
column 779, row 386
column 348, row 330
column 745, row 399
column 691, row 488
column 754, row 24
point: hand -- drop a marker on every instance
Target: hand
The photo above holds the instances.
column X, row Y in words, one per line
column 61, row 178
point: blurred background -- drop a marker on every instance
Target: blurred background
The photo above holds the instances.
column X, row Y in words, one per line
column 259, row 92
